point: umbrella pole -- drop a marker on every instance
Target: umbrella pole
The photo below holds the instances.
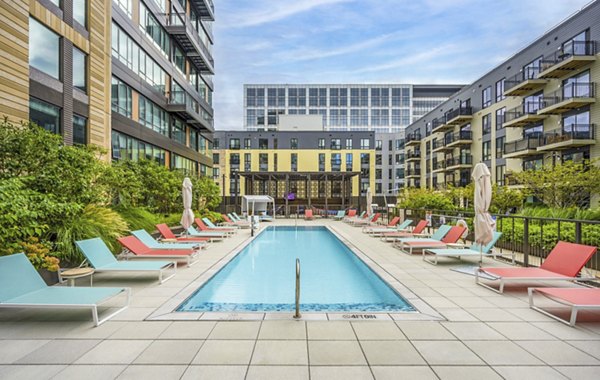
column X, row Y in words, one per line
column 480, row 255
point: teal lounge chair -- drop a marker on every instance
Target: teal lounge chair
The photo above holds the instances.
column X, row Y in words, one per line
column 437, row 236
column 213, row 235
column 340, row 215
column 22, row 287
column 212, row 225
column 237, row 217
column 147, row 239
column 378, row 231
column 473, row 250
column 101, row 259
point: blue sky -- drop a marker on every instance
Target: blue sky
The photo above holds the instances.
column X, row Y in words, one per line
column 368, row 41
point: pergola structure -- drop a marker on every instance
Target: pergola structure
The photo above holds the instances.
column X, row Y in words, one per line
column 327, row 188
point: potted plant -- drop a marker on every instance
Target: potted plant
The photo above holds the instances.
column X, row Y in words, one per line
column 41, row 258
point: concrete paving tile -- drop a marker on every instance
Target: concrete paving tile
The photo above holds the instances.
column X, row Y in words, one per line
column 471, row 302
column 377, row 331
column 466, row 373
column 528, row 372
column 390, row 353
column 59, row 352
column 148, row 301
column 445, row 352
column 439, row 302
column 235, row 330
column 472, row 331
column 558, row 353
column 222, row 352
column 280, row 352
column 13, row 350
column 91, row 372
column 134, row 314
column 187, row 330
column 425, row 330
column 277, row 373
column 588, row 346
column 520, row 331
column 89, row 331
column 456, row 315
column 335, row 353
column 564, row 332
column 170, row 352
column 492, row 315
column 211, row 372
column 502, row 353
column 136, row 330
column 330, row 330
column 37, row 372
column 406, row 372
column 289, row 329
column 579, row 372
column 340, row 373
column 114, row 352
column 158, row 372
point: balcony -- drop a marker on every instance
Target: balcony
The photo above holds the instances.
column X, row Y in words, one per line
column 440, row 146
column 204, row 8
column 523, row 115
column 458, row 183
column 570, row 136
column 511, row 179
column 438, row 166
column 522, row 148
column 413, row 155
column 182, row 104
column 571, row 57
column 524, row 82
column 181, row 28
column 413, row 139
column 439, row 125
column 460, row 139
column 462, row 162
column 459, row 116
column 413, row 173
column 570, row 97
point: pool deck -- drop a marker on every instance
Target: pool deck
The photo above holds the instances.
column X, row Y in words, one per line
column 477, row 334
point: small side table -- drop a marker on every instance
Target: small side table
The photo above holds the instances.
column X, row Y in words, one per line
column 72, row 274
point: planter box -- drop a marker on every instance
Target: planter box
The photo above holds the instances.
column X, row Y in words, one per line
column 51, row 278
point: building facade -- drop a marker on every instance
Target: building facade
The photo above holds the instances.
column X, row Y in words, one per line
column 540, row 106
column 131, row 76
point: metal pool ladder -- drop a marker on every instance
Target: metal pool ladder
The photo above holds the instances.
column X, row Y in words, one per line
column 297, row 314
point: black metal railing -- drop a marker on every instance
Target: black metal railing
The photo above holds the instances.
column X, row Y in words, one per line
column 568, row 50
column 458, row 136
column 569, row 91
column 413, row 154
column 439, row 144
column 530, row 238
column 522, row 145
column 415, row 136
column 435, row 123
column 527, row 108
column 526, row 74
column 461, row 111
column 413, row 171
column 461, row 160
column 439, row 165
column 570, row 132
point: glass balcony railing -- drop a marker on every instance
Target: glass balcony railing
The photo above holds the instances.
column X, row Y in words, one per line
column 465, row 159
column 527, row 108
column 413, row 137
column 526, row 74
column 570, row 49
column 570, row 132
column 569, row 91
column 413, row 172
column 462, row 111
column 528, row 143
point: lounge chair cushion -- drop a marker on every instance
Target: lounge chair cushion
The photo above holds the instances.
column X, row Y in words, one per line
column 574, row 296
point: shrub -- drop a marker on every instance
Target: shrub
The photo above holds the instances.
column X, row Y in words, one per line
column 425, row 199
column 39, row 254
column 138, row 218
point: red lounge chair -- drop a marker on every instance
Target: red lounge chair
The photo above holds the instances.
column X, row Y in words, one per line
column 351, row 213
column 392, row 235
column 391, row 224
column 450, row 238
column 204, row 227
column 576, row 298
column 308, row 214
column 563, row 263
column 168, row 235
column 367, row 222
column 230, row 222
column 140, row 250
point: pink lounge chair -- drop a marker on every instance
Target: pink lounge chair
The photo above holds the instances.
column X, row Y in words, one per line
column 367, row 222
column 390, row 225
column 141, row 250
column 575, row 298
column 168, row 235
column 392, row 235
column 308, row 214
column 563, row 263
column 450, row 238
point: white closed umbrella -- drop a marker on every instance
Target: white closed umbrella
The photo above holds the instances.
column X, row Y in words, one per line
column 369, row 201
column 483, row 223
column 187, row 218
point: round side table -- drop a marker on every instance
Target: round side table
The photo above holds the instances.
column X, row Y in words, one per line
column 72, row 274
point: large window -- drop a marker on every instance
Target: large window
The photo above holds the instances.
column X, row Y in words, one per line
column 365, row 144
column 121, row 97
column 178, row 131
column 338, row 97
column 79, row 69
column 380, row 117
column 79, row 130
column 500, row 90
column 127, row 148
column 487, row 150
column 400, row 117
column 152, row 116
column 359, row 117
column 255, row 97
column 321, row 162
column 380, row 97
column 179, row 58
column 359, row 97
column 294, row 162
column 336, row 162
column 263, row 143
column 247, row 162
column 45, row 115
column 500, row 117
column 349, row 162
column 263, row 162
column 336, row 144
column 297, row 97
column 486, row 97
column 487, row 123
column 499, row 146
column 234, row 143
column 80, row 12
column 294, row 143
column 400, row 97
column 317, row 97
column 276, row 97
column 150, row 25
column 348, row 143
column 126, row 6
column 44, row 49
column 500, row 171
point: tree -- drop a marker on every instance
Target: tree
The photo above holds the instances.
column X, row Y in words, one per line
column 424, row 199
column 567, row 184
column 505, row 199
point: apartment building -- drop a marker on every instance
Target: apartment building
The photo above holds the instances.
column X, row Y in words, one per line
column 131, row 76
column 539, row 106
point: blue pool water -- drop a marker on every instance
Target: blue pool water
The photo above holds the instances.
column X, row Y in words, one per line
column 262, row 277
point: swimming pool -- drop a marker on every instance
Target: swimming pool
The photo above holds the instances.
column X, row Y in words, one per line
column 261, row 277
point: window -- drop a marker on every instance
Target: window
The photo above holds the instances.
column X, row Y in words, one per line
column 247, row 162
column 194, row 141
column 399, row 144
column 359, row 97
column 216, row 158
column 127, row 148
column 486, row 97
column 486, row 121
column 349, row 161
column 44, row 49
column 276, row 97
column 294, row 161
column 338, row 97
column 359, row 118
column 121, row 97
column 336, row 144
column 380, row 117
column 348, row 143
column 500, row 90
column 293, row 143
column 234, row 143
column 499, row 146
column 255, row 97
column 296, row 97
column 247, row 143
column 400, row 97
column 125, row 5
column 336, row 162
column 150, row 25
column 321, row 162
column 577, row 86
column 321, row 143
column 275, row 162
column 365, row 144
column 45, row 115
column 500, row 170
column 152, row 116
column 533, row 164
column 378, row 173
column 400, row 117
column 487, row 150
column 179, row 58
column 378, row 145
column 578, row 45
column 390, row 159
column 378, row 159
column 263, row 162
column 500, row 118
column 380, row 97
column 532, row 69
column 80, row 12
column 317, row 97
column 178, row 131
column 216, row 144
